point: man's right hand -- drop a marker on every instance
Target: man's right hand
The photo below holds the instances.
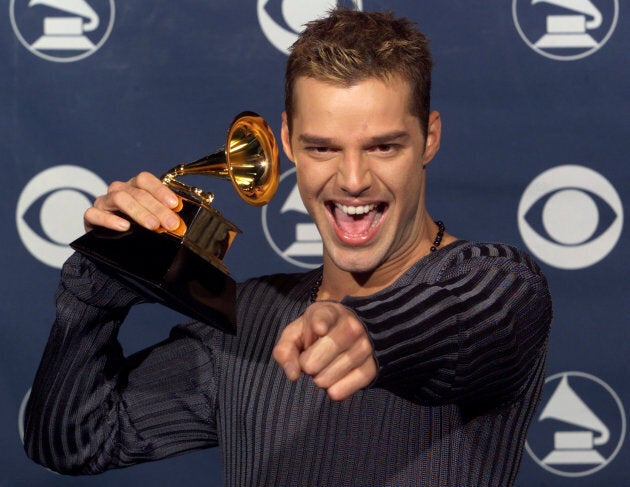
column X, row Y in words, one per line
column 144, row 199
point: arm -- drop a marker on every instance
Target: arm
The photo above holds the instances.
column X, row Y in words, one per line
column 91, row 408
column 472, row 336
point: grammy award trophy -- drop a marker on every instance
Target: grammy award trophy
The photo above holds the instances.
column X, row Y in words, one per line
column 183, row 269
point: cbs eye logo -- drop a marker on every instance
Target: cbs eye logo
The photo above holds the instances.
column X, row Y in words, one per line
column 570, row 217
column 50, row 209
column 282, row 20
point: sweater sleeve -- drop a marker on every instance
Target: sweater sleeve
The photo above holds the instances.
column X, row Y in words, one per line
column 91, row 408
column 472, row 336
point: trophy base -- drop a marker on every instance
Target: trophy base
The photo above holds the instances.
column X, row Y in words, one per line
column 170, row 269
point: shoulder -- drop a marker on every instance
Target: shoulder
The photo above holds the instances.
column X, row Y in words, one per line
column 488, row 253
column 490, row 258
column 466, row 257
column 503, row 277
column 464, row 254
column 481, row 252
column 474, row 268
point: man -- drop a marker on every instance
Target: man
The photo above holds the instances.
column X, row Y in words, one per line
column 409, row 358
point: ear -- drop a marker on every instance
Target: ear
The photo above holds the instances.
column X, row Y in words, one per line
column 434, row 133
column 286, row 138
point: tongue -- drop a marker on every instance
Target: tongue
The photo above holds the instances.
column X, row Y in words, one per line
column 354, row 224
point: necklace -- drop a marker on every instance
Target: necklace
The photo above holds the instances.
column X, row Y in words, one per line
column 434, row 247
column 438, row 237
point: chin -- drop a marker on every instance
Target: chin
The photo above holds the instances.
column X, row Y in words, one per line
column 355, row 264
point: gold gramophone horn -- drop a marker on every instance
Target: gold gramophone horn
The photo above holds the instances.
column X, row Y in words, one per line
column 249, row 159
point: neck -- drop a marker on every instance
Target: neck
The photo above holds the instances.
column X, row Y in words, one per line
column 337, row 283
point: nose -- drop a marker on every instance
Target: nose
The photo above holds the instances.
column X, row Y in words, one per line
column 353, row 173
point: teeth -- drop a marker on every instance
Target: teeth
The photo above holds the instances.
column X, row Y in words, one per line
column 355, row 210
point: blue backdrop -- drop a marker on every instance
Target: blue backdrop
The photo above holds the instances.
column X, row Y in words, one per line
column 534, row 97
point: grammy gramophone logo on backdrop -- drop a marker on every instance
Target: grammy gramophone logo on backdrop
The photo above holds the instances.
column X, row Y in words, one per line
column 289, row 230
column 565, row 30
column 580, row 428
column 62, row 30
column 282, row 20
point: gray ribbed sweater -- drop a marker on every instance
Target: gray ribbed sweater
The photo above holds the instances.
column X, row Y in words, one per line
column 460, row 341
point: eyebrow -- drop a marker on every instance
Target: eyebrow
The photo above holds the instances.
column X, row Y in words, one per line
column 376, row 140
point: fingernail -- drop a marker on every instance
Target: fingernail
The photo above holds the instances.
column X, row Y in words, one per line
column 152, row 222
column 291, row 371
column 174, row 202
column 122, row 225
column 172, row 222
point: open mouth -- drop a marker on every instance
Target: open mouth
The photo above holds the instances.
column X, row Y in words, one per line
column 356, row 221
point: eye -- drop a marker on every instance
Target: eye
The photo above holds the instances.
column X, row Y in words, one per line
column 50, row 209
column 385, row 148
column 318, row 150
column 570, row 217
column 381, row 148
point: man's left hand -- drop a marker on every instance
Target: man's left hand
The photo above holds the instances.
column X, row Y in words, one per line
column 329, row 343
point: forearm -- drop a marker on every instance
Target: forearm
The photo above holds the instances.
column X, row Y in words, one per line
column 91, row 408
column 71, row 413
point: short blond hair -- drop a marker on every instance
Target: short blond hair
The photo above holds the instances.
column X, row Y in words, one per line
column 349, row 46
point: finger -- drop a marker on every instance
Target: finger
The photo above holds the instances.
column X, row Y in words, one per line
column 154, row 200
column 136, row 204
column 320, row 348
column 343, row 364
column 148, row 182
column 320, row 317
column 353, row 382
column 142, row 199
column 343, row 334
column 287, row 351
column 93, row 217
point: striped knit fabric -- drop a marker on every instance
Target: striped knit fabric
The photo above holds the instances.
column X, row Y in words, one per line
column 460, row 341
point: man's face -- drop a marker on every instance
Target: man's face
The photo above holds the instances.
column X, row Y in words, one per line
column 359, row 155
